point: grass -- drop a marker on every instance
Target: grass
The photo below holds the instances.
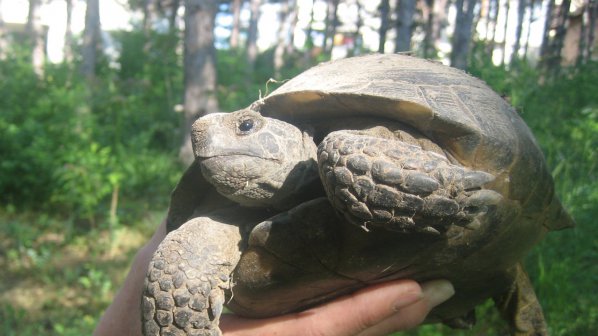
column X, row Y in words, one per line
column 54, row 283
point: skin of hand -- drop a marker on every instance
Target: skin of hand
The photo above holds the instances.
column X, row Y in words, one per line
column 373, row 311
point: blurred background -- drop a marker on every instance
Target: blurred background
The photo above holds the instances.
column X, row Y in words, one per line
column 96, row 99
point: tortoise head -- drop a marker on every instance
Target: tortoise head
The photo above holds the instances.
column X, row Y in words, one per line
column 253, row 160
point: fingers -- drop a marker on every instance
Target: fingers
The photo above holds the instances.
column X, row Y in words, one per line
column 376, row 310
column 434, row 293
column 364, row 309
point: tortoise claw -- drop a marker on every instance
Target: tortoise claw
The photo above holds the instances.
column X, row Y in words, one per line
column 216, row 300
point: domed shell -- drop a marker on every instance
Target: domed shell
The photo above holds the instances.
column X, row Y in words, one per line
column 469, row 121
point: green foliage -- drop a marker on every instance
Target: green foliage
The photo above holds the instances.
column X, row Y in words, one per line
column 54, row 284
column 68, row 149
column 237, row 87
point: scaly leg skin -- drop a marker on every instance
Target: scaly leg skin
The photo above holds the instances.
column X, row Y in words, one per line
column 520, row 306
column 400, row 186
column 187, row 277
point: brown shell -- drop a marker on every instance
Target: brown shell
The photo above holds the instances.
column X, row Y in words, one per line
column 472, row 123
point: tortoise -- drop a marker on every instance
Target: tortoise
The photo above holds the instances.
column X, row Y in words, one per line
column 355, row 172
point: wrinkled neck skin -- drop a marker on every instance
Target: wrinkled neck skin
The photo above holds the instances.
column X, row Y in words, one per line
column 255, row 161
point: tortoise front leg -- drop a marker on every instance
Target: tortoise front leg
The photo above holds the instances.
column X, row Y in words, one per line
column 404, row 187
column 184, row 288
column 520, row 306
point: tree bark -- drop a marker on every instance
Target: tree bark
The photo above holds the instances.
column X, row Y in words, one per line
column 35, row 34
column 504, row 40
column 493, row 17
column 293, row 17
column 356, row 50
column 436, row 21
column 283, row 35
column 384, row 23
column 405, row 14
column 174, row 10
column 149, row 16
column 428, row 42
column 199, row 67
column 462, row 34
column 583, row 35
column 553, row 60
column 309, row 42
column 518, row 29
column 331, row 25
column 593, row 15
column 234, row 34
column 530, row 21
column 91, row 40
column 252, row 33
column 3, row 43
column 545, row 47
column 68, row 34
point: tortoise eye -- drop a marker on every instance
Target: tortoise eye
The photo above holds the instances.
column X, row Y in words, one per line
column 246, row 125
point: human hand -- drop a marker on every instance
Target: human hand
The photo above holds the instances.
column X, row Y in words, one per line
column 376, row 310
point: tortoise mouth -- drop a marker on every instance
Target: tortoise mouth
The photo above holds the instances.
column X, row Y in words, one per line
column 209, row 158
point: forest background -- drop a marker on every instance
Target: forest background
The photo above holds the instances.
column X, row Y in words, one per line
column 91, row 146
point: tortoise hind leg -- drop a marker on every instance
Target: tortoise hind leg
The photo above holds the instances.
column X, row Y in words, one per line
column 520, row 306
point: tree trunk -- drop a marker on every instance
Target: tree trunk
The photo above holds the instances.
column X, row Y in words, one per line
column 436, row 22
column 174, row 10
column 384, row 20
column 545, row 47
column 477, row 17
column 91, row 40
column 462, row 34
column 428, row 42
column 283, row 35
column 518, row 29
column 493, row 17
column 293, row 17
column 68, row 34
column 593, row 15
column 35, row 35
column 309, row 43
column 504, row 40
column 583, row 35
column 553, row 59
column 234, row 34
column 405, row 14
column 199, row 67
column 330, row 26
column 3, row 43
column 252, row 33
column 530, row 21
column 149, row 16
column 356, row 50
column 488, row 17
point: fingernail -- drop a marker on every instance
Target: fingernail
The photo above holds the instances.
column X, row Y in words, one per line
column 437, row 291
column 407, row 298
